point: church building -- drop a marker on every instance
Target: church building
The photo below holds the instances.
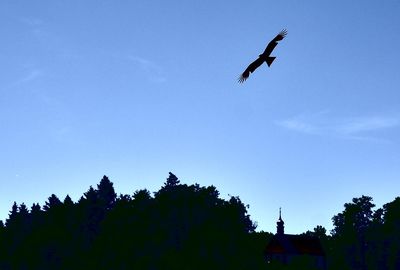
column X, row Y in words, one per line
column 290, row 248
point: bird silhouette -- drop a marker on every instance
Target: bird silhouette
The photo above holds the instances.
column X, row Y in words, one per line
column 264, row 57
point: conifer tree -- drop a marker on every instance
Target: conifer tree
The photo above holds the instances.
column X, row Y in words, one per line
column 172, row 180
column 12, row 216
column 23, row 210
column 89, row 197
column 23, row 216
column 68, row 201
column 36, row 214
column 52, row 202
column 106, row 193
column 35, row 209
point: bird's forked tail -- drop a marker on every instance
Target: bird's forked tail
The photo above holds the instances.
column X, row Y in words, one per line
column 270, row 60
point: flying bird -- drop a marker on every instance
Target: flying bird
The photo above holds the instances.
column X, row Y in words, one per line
column 264, row 57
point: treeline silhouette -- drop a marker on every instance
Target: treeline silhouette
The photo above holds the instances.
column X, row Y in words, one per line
column 180, row 227
column 364, row 238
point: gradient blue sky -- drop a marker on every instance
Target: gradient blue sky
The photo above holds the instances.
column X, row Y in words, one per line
column 135, row 89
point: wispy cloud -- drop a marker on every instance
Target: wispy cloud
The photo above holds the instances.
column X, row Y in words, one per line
column 358, row 125
column 298, row 125
column 31, row 21
column 34, row 25
column 31, row 75
column 152, row 71
column 306, row 123
column 357, row 128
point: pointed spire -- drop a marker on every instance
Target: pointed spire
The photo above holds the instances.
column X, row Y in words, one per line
column 280, row 227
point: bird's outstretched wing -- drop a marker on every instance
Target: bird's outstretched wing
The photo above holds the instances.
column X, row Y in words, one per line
column 250, row 69
column 281, row 35
column 272, row 44
column 264, row 57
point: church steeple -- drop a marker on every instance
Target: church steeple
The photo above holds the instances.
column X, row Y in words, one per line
column 280, row 227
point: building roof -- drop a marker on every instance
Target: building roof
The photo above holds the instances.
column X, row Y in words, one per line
column 295, row 245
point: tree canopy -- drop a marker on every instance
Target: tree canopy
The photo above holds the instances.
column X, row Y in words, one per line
column 181, row 227
column 173, row 228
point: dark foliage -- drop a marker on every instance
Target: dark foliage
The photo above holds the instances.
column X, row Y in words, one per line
column 182, row 227
column 179, row 227
column 364, row 238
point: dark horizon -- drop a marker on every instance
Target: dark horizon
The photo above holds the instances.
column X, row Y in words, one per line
column 135, row 89
column 184, row 226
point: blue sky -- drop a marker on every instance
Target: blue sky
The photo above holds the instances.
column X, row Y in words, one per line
column 135, row 89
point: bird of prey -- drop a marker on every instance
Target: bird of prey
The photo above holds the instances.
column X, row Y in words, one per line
column 264, row 57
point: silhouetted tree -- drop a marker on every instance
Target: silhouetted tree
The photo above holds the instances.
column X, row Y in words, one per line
column 2, row 246
column 106, row 193
column 36, row 209
column 68, row 201
column 172, row 181
column 52, row 202
column 350, row 233
column 142, row 195
column 23, row 210
column 90, row 215
column 391, row 233
column 2, row 228
column 12, row 216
